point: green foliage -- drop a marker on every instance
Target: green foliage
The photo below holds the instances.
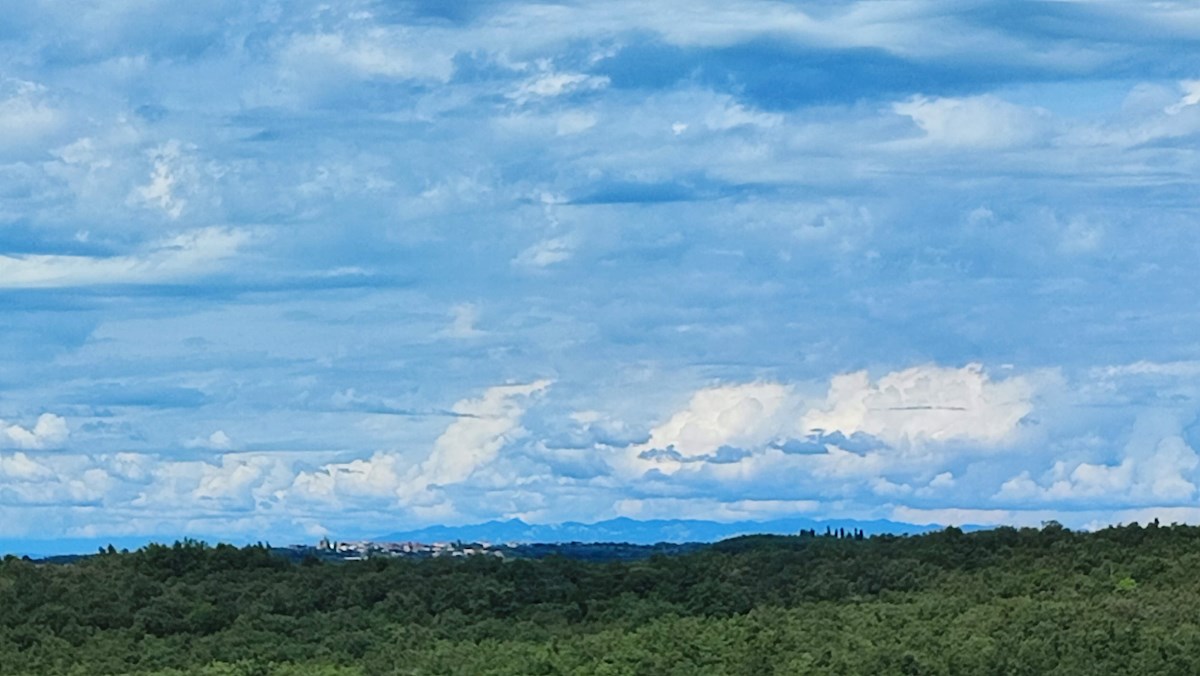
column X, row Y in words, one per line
column 1003, row 602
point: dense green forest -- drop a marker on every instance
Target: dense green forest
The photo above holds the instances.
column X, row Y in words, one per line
column 1123, row 600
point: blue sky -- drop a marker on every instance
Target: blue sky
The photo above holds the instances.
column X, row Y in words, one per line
column 294, row 268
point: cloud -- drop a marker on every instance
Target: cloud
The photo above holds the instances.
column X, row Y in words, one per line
column 27, row 118
column 1174, row 369
column 488, row 424
column 745, row 416
column 734, row 115
column 23, row 468
column 1162, row 476
column 943, row 480
column 168, row 173
column 544, row 254
column 898, row 437
column 48, row 432
column 1191, row 97
column 553, row 84
column 463, row 319
column 238, row 482
column 218, row 440
column 371, row 478
column 484, row 427
column 319, row 62
column 924, row 404
column 981, row 122
column 182, row 256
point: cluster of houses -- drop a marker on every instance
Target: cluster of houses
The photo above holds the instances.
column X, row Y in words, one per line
column 356, row 551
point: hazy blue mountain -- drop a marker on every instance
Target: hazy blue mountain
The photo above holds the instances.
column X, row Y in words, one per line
column 639, row 532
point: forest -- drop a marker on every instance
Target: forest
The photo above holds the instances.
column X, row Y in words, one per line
column 1123, row 600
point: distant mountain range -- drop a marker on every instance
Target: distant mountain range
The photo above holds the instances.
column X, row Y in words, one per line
column 623, row 529
column 641, row 532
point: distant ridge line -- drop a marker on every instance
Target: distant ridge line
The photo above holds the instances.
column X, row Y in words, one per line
column 632, row 531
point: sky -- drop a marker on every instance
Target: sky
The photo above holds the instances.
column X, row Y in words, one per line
column 288, row 269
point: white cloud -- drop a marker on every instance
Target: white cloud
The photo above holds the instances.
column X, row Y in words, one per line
column 49, row 431
column 551, row 84
column 169, row 170
column 236, row 478
column 943, row 480
column 902, row 427
column 1162, row 475
column 475, row 439
column 184, row 255
column 21, row 467
column 884, row 487
column 733, row 115
column 393, row 53
column 486, row 426
column 545, row 253
column 375, row 477
column 924, row 403
column 234, row 481
column 985, row 122
column 742, row 416
column 1191, row 97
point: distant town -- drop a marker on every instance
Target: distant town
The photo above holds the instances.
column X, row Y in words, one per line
column 359, row 550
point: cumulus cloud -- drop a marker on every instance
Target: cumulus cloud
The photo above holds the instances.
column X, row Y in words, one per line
column 749, row 415
column 483, row 428
column 23, row 468
column 48, row 432
column 375, row 477
column 236, row 482
column 179, row 257
column 1164, row 475
column 486, row 425
column 924, row 403
column 892, row 437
